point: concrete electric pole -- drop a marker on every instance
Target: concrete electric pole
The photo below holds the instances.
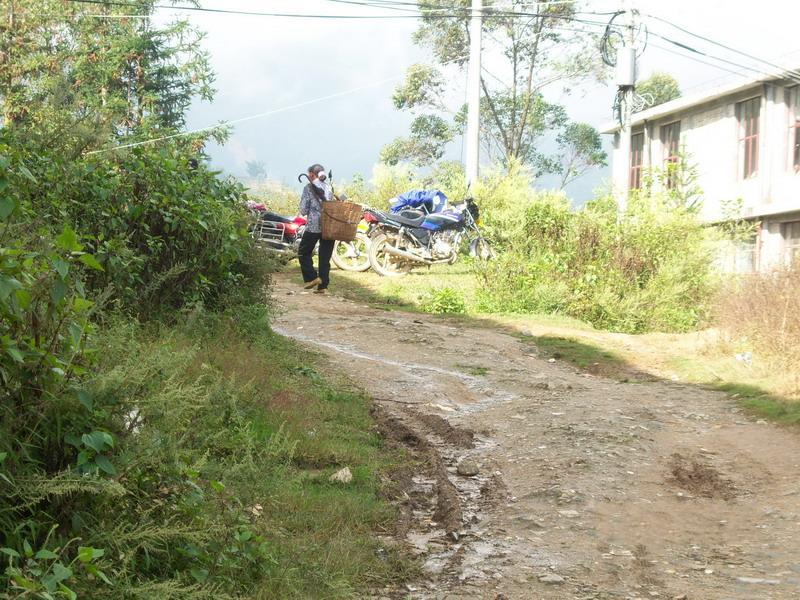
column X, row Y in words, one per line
column 474, row 94
column 626, row 82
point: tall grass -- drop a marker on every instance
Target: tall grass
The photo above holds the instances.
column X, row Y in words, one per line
column 760, row 313
column 156, row 440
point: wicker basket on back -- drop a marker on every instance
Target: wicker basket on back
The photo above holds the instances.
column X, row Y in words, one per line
column 340, row 220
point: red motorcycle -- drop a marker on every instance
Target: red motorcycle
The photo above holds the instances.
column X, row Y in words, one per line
column 279, row 233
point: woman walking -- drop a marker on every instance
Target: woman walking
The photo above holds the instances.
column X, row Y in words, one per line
column 314, row 194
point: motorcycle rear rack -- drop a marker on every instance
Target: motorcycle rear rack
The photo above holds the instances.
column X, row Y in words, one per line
column 271, row 234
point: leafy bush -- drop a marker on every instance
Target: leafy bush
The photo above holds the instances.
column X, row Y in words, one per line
column 165, row 233
column 444, row 301
column 647, row 269
column 156, row 235
column 504, row 196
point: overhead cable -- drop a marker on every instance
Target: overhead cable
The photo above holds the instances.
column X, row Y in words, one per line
column 678, row 44
column 794, row 72
column 487, row 12
column 259, row 115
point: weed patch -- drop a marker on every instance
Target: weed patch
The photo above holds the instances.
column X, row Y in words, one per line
column 474, row 370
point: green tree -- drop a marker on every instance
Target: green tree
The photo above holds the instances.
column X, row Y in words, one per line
column 256, row 169
column 537, row 53
column 80, row 76
column 580, row 149
column 429, row 135
column 658, row 89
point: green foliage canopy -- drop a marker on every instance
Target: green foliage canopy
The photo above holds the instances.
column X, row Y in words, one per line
column 658, row 88
column 79, row 76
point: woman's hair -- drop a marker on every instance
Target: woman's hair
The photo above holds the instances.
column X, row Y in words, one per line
column 316, row 168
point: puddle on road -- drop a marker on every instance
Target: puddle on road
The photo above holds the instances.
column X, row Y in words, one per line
column 341, row 348
column 490, row 396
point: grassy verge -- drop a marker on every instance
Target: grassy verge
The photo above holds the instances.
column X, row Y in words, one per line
column 766, row 389
column 288, row 431
column 586, row 356
column 221, row 474
column 686, row 358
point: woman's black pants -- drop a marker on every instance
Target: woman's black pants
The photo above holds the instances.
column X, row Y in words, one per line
column 305, row 255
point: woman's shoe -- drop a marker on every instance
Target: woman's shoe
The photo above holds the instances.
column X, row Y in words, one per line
column 321, row 291
column 313, row 283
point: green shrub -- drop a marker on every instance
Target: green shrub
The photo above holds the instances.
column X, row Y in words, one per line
column 166, row 234
column 444, row 301
column 196, row 465
column 647, row 269
column 83, row 508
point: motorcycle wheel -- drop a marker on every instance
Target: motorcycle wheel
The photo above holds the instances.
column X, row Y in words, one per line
column 382, row 262
column 352, row 256
column 479, row 248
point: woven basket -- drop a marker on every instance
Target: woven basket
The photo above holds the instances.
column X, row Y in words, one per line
column 340, row 220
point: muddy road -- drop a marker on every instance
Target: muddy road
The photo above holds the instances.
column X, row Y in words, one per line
column 544, row 482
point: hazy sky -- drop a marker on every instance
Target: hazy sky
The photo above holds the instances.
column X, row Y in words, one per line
column 268, row 63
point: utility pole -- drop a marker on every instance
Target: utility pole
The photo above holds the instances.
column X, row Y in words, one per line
column 474, row 94
column 626, row 82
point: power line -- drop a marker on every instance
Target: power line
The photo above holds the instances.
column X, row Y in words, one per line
column 86, row 16
column 427, row 9
column 259, row 115
column 385, row 6
column 698, row 60
column 432, row 7
column 725, row 46
column 487, row 13
column 250, row 13
column 243, row 119
column 724, row 60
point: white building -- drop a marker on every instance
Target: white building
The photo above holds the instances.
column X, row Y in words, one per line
column 745, row 141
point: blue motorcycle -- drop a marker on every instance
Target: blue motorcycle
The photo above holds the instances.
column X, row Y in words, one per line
column 421, row 230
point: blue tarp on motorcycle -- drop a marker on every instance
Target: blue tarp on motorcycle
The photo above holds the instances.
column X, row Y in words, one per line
column 433, row 201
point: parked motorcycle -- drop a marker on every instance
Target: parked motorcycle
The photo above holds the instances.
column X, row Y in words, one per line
column 414, row 237
column 354, row 256
column 275, row 231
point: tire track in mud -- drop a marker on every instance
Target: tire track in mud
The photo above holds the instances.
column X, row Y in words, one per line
column 447, row 509
column 444, row 530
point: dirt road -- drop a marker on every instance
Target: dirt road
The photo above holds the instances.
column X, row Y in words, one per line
column 586, row 488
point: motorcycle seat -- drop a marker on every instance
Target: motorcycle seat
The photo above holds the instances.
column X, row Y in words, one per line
column 408, row 222
column 271, row 216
